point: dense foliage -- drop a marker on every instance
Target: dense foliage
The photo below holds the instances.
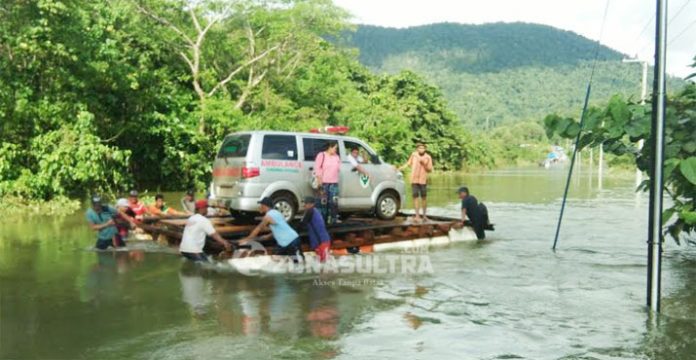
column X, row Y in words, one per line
column 618, row 127
column 501, row 73
column 104, row 95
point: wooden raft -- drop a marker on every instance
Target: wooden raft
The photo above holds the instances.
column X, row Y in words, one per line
column 351, row 236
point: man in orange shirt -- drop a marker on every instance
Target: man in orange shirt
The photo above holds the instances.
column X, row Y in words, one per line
column 421, row 164
column 159, row 208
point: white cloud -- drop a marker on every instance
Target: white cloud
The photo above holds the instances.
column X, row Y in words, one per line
column 625, row 28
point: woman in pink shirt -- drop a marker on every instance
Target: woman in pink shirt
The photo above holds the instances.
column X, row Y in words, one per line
column 328, row 165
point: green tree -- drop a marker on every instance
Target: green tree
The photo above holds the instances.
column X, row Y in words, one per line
column 621, row 124
column 104, row 95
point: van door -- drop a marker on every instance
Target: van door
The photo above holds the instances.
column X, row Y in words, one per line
column 229, row 163
column 357, row 188
column 280, row 159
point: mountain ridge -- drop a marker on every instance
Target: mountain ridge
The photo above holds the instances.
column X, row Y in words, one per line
column 500, row 73
column 377, row 42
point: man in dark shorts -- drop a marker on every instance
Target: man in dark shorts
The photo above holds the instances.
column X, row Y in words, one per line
column 421, row 164
column 472, row 210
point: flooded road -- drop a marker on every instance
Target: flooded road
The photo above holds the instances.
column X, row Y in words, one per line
column 505, row 298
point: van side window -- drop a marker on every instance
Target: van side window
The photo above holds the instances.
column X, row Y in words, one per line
column 234, row 146
column 364, row 156
column 312, row 147
column 279, row 147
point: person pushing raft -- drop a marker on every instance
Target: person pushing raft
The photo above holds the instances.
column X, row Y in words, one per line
column 287, row 238
column 319, row 239
column 197, row 228
column 101, row 218
column 475, row 211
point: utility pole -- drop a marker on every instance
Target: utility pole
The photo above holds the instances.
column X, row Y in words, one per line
column 657, row 158
column 591, row 165
column 643, row 97
column 600, row 166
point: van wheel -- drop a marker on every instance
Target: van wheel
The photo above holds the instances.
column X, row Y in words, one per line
column 285, row 203
column 387, row 206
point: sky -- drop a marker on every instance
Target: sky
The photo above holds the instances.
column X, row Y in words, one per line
column 629, row 26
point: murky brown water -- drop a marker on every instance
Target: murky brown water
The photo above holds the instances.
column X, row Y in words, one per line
column 508, row 297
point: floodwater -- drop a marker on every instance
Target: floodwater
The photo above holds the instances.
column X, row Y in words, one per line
column 508, row 297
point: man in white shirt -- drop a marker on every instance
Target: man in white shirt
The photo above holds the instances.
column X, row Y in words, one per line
column 197, row 228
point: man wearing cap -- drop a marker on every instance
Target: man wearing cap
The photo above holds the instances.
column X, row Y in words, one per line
column 421, row 164
column 136, row 205
column 287, row 238
column 472, row 210
column 319, row 239
column 188, row 202
column 101, row 219
column 197, row 228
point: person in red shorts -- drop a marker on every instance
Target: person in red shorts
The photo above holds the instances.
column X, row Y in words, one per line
column 319, row 239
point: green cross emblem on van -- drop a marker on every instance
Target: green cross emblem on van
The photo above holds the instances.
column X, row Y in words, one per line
column 364, row 180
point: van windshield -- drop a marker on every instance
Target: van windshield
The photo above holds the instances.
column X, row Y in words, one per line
column 234, row 146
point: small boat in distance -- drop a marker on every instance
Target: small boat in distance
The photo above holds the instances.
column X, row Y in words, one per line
column 556, row 156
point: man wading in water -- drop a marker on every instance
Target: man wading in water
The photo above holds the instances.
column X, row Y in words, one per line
column 421, row 164
column 197, row 228
column 474, row 211
column 101, row 219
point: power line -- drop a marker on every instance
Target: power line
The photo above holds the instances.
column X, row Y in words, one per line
column 679, row 11
column 650, row 20
column 682, row 32
column 649, row 43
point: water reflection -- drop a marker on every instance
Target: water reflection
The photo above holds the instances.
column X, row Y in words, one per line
column 195, row 290
column 671, row 336
column 261, row 306
column 101, row 282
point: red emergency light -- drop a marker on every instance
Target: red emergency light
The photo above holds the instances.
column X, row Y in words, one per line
column 334, row 130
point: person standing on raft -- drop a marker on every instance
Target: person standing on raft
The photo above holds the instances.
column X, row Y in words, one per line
column 421, row 164
column 327, row 165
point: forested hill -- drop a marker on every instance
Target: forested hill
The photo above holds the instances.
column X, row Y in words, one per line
column 503, row 72
column 478, row 48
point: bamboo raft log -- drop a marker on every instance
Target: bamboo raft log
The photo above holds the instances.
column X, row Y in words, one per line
column 356, row 235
